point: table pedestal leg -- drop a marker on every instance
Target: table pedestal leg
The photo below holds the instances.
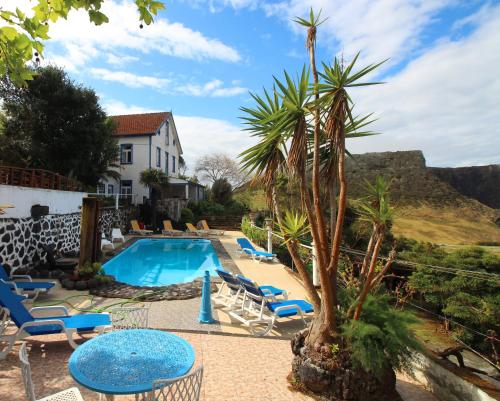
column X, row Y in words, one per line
column 110, row 397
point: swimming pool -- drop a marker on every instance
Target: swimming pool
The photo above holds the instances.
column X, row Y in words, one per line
column 163, row 261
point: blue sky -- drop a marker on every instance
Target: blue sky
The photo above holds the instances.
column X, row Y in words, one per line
column 201, row 58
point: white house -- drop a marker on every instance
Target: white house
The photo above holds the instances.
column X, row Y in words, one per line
column 146, row 141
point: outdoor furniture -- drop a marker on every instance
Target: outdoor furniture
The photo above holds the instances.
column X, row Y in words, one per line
column 116, row 235
column 168, row 229
column 231, row 291
column 184, row 388
column 71, row 394
column 136, row 228
column 205, row 227
column 130, row 361
column 192, row 229
column 28, row 286
column 247, row 248
column 128, row 317
column 106, row 242
column 258, row 308
column 28, row 325
column 57, row 262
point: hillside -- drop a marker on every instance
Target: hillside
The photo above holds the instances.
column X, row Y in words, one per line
column 441, row 205
column 428, row 207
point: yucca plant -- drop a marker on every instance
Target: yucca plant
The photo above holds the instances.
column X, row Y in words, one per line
column 302, row 125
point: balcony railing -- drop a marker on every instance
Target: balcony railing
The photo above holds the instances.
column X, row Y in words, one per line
column 36, row 178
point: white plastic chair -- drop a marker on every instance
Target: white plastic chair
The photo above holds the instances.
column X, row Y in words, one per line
column 184, row 388
column 126, row 317
column 106, row 242
column 71, row 394
column 116, row 235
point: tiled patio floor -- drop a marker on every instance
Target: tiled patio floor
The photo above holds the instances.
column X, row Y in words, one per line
column 236, row 369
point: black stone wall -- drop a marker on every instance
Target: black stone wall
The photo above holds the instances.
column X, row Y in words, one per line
column 20, row 239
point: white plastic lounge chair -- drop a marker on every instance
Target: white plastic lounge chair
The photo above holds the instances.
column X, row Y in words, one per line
column 128, row 317
column 259, row 309
column 71, row 394
column 106, row 243
column 116, row 235
column 231, row 292
column 247, row 248
column 27, row 286
column 184, row 388
column 28, row 325
column 204, row 226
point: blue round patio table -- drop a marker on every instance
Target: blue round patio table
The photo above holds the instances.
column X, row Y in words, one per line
column 129, row 361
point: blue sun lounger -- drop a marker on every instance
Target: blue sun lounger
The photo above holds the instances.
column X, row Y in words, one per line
column 246, row 247
column 11, row 306
column 258, row 308
column 231, row 291
column 21, row 287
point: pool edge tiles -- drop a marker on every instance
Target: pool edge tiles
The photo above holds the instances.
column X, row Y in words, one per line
column 155, row 262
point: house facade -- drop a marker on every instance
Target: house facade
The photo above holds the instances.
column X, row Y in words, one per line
column 147, row 141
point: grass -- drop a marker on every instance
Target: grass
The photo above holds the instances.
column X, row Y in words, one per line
column 450, row 226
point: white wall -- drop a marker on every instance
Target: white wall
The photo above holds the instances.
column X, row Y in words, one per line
column 144, row 157
column 59, row 202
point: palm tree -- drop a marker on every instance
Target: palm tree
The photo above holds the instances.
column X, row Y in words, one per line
column 302, row 128
column 157, row 181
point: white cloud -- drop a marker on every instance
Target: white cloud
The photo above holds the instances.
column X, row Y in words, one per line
column 115, row 107
column 378, row 29
column 120, row 60
column 82, row 41
column 444, row 102
column 200, row 136
column 213, row 88
column 129, row 79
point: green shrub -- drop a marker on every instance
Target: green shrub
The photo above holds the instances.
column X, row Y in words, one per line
column 471, row 301
column 382, row 337
column 236, row 208
column 187, row 215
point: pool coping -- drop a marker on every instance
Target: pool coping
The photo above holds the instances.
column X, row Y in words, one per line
column 180, row 291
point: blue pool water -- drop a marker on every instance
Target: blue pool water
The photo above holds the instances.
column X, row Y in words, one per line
column 156, row 262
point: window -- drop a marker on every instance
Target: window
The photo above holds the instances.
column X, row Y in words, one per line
column 173, row 164
column 158, row 157
column 101, row 189
column 111, row 189
column 126, row 187
column 166, row 163
column 126, row 153
column 173, row 141
column 167, row 136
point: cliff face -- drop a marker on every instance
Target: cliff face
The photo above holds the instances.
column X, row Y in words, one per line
column 412, row 182
column 478, row 182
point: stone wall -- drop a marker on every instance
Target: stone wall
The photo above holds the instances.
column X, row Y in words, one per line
column 20, row 239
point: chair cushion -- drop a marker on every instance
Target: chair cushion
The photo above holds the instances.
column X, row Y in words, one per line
column 84, row 322
column 34, row 285
column 305, row 306
column 271, row 289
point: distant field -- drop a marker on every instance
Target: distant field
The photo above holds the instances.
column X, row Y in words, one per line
column 445, row 226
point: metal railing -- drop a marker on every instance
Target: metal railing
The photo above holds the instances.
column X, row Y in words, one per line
column 37, row 178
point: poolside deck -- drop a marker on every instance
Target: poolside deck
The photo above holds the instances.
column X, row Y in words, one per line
column 237, row 365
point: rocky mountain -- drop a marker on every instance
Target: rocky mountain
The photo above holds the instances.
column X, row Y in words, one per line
column 413, row 183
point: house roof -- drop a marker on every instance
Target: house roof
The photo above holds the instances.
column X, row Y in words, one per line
column 139, row 124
